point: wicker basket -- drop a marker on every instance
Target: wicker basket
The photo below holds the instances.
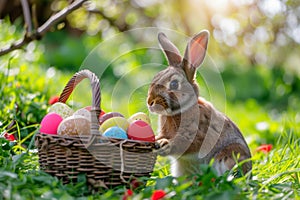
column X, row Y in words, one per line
column 106, row 162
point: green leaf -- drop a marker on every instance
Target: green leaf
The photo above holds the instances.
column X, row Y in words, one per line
column 5, row 175
column 163, row 183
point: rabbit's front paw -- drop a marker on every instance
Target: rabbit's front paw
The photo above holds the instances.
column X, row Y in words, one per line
column 165, row 147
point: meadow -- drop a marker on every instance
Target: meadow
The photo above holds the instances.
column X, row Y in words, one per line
column 263, row 102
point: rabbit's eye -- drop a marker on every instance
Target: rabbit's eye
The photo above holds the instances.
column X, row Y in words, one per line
column 174, row 85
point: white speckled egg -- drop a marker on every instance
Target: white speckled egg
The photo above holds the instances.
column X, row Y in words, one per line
column 74, row 125
column 83, row 112
column 62, row 109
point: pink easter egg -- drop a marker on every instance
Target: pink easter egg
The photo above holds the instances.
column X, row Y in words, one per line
column 140, row 130
column 50, row 123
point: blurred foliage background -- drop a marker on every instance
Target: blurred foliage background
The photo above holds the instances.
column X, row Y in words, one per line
column 254, row 44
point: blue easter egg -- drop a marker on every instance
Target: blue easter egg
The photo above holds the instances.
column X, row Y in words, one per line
column 115, row 132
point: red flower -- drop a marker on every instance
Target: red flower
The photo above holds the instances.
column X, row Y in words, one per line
column 9, row 137
column 265, row 148
column 53, row 100
column 127, row 194
column 158, row 194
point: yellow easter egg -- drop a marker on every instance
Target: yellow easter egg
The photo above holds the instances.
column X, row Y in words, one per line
column 121, row 122
column 139, row 116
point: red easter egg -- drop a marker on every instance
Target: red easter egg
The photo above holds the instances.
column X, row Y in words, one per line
column 102, row 113
column 88, row 108
column 50, row 123
column 140, row 130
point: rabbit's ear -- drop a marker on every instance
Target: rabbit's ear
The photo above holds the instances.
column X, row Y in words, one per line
column 195, row 53
column 171, row 51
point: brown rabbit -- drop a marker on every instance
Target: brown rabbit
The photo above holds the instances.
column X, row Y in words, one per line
column 192, row 131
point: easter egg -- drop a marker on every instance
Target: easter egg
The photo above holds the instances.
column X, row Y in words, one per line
column 109, row 115
column 140, row 130
column 83, row 112
column 101, row 113
column 115, row 132
column 121, row 122
column 139, row 116
column 62, row 109
column 90, row 107
column 74, row 125
column 50, row 123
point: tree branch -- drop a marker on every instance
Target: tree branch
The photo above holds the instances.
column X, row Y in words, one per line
column 16, row 45
column 34, row 17
column 39, row 32
column 58, row 16
column 27, row 16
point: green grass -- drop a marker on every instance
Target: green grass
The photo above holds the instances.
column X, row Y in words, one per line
column 275, row 175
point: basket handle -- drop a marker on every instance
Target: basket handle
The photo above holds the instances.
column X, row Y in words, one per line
column 96, row 98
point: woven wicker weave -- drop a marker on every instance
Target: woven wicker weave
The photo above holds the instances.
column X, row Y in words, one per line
column 106, row 162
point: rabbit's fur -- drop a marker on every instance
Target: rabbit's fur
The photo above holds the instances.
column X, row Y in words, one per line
column 192, row 131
